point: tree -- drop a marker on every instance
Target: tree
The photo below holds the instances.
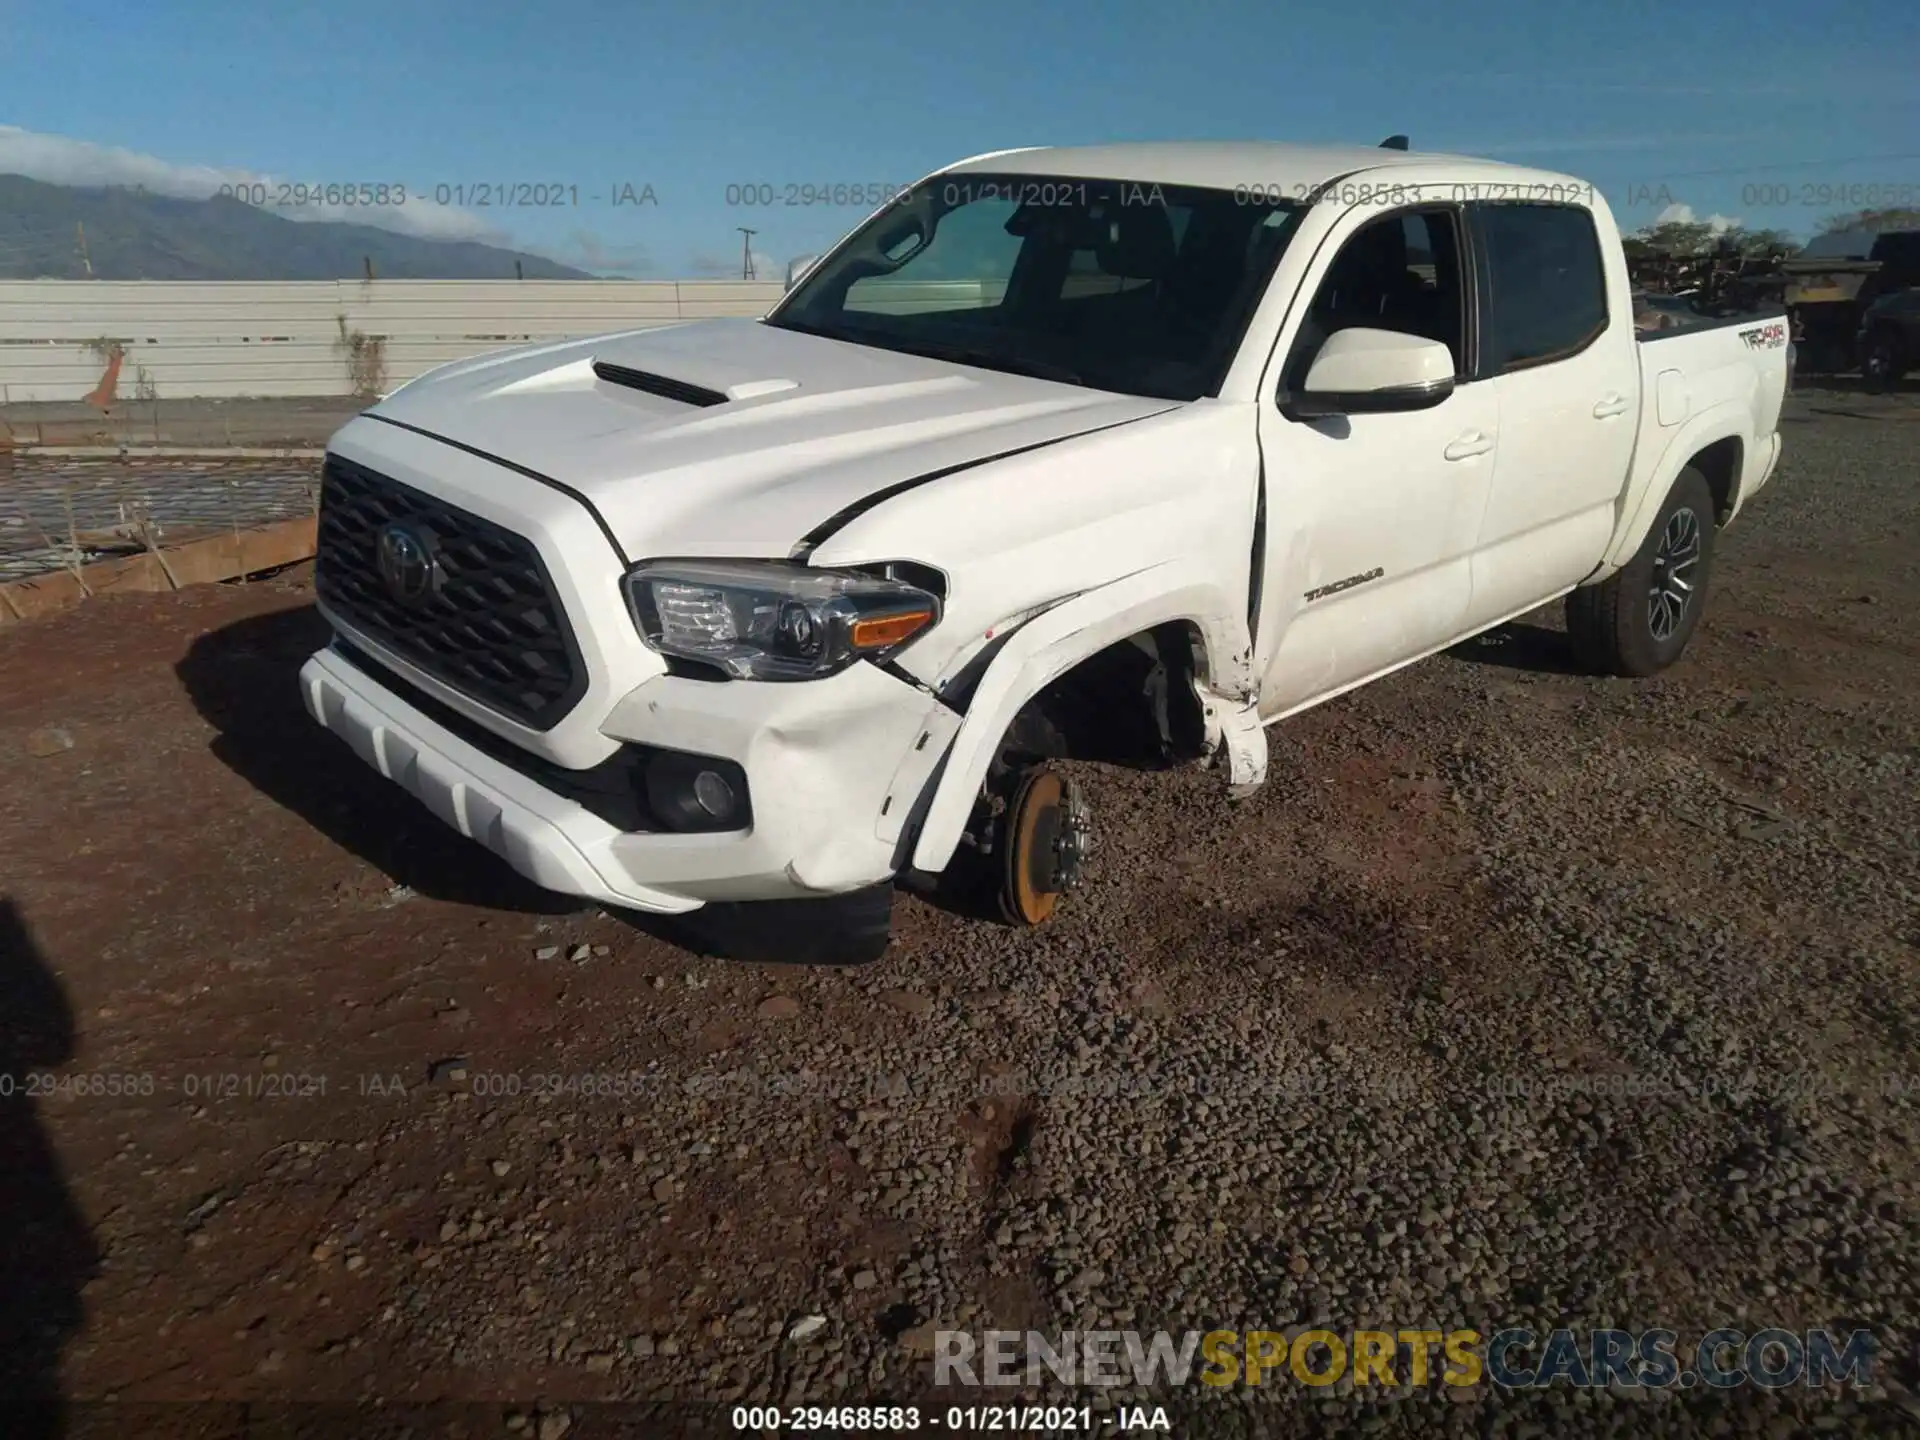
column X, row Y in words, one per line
column 1759, row 244
column 1896, row 218
column 1675, row 237
column 1686, row 239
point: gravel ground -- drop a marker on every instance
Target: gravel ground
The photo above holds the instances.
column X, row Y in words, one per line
column 1345, row 1055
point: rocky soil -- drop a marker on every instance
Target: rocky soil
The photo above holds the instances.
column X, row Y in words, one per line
column 1517, row 998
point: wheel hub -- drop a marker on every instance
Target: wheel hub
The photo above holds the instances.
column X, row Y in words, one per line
column 1049, row 835
column 1072, row 840
column 1671, row 592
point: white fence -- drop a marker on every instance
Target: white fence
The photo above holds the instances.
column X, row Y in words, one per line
column 192, row 339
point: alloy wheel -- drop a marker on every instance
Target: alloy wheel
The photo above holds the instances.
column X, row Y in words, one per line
column 1673, row 566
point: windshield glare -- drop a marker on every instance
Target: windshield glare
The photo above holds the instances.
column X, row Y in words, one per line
column 1117, row 284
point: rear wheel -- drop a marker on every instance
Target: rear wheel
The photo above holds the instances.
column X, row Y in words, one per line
column 1881, row 361
column 1639, row 620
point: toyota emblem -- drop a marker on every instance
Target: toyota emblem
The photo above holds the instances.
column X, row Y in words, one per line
column 407, row 563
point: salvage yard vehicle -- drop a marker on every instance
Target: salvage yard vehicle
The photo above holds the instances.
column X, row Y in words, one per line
column 1834, row 282
column 1889, row 340
column 1122, row 452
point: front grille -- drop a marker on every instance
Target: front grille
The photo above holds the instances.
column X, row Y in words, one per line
column 488, row 623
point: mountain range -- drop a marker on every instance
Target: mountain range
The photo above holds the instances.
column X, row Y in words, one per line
column 114, row 233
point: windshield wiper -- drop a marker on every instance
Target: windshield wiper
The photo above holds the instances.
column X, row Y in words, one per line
column 958, row 354
column 994, row 360
column 807, row 328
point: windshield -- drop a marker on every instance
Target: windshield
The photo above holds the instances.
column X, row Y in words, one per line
column 1116, row 284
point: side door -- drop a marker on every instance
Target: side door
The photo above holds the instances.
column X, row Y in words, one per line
column 1370, row 519
column 1558, row 349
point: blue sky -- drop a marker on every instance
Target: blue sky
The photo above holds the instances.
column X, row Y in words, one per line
column 1729, row 109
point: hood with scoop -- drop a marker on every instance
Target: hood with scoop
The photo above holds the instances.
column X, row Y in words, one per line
column 736, row 437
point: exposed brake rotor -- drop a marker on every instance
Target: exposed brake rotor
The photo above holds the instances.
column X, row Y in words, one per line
column 1049, row 834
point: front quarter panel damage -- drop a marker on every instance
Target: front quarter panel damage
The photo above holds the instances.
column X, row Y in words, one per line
column 820, row 758
column 1021, row 536
column 1047, row 648
column 1053, row 556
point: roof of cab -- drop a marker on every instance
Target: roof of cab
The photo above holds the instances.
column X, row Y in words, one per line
column 1222, row 164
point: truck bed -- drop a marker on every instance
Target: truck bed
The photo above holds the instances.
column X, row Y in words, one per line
column 1692, row 373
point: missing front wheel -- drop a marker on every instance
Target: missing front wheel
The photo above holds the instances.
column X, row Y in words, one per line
column 1046, row 835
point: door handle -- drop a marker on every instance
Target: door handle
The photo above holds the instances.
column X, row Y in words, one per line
column 1610, row 406
column 1474, row 442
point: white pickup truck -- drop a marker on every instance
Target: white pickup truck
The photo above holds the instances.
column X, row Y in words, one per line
column 1114, row 452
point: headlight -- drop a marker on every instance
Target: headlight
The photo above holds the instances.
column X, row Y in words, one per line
column 765, row 620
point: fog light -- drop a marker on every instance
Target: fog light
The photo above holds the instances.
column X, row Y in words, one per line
column 714, row 794
column 697, row 792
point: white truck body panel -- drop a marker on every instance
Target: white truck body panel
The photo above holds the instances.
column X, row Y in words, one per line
column 1726, row 383
column 1307, row 555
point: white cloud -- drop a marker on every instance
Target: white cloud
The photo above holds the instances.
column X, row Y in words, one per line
column 62, row 160
column 1678, row 214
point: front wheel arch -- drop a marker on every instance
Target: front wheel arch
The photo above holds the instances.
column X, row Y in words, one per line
column 1052, row 644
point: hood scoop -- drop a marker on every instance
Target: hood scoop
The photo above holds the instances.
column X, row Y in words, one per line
column 685, row 391
column 662, row 385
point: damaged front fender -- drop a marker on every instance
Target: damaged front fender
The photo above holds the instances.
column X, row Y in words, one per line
column 1063, row 636
column 821, row 760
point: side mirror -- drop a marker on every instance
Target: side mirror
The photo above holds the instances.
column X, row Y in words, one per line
column 798, row 267
column 1372, row 372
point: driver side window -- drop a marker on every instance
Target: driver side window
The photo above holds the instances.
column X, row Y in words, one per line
column 1400, row 272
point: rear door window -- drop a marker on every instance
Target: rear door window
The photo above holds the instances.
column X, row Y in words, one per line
column 1545, row 284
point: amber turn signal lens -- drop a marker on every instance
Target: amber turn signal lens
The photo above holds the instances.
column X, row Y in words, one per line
column 884, row 630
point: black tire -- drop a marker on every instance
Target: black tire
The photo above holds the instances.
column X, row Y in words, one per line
column 850, row 929
column 1639, row 620
column 1882, row 362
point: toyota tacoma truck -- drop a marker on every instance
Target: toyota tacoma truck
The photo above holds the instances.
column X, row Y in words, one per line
column 1121, row 452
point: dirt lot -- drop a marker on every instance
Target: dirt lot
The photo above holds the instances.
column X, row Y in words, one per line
column 310, row 1100
column 248, row 422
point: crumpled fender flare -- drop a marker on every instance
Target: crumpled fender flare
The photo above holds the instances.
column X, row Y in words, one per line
column 1051, row 644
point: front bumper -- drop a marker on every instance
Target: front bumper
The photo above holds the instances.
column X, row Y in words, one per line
column 836, row 769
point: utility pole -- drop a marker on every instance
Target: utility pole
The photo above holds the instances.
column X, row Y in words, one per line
column 746, row 251
column 80, row 229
